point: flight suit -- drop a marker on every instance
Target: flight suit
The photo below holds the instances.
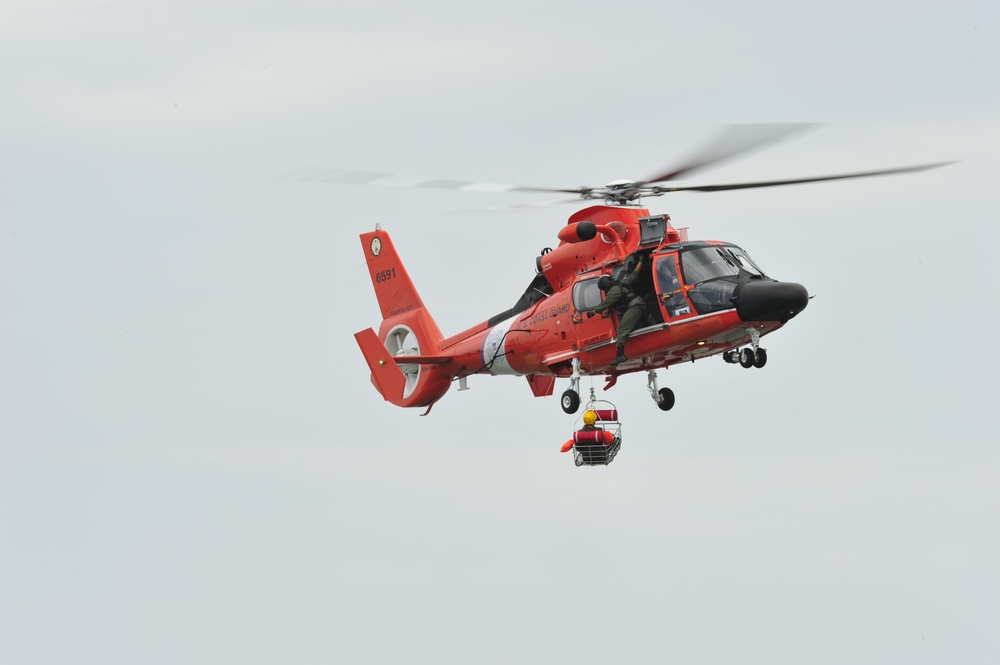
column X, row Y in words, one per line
column 623, row 292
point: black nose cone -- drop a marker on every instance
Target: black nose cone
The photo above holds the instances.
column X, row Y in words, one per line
column 770, row 301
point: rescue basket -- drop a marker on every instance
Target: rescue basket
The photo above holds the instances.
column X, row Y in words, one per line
column 598, row 444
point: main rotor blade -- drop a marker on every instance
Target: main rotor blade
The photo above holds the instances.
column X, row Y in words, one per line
column 519, row 207
column 344, row 176
column 796, row 181
column 735, row 140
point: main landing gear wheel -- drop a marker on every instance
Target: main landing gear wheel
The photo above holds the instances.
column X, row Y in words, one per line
column 666, row 401
column 570, row 401
column 732, row 356
column 664, row 397
column 760, row 358
column 747, row 358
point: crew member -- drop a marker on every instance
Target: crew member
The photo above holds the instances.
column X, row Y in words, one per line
column 622, row 293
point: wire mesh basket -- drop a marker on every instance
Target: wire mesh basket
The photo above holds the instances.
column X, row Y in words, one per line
column 597, row 445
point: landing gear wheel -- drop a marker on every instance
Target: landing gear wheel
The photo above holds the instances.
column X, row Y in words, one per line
column 570, row 401
column 732, row 356
column 666, row 401
column 747, row 358
column 760, row 358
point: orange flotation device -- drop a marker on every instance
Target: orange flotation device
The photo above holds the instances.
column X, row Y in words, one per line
column 589, row 436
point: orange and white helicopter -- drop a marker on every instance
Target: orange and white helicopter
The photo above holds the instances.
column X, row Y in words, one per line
column 703, row 297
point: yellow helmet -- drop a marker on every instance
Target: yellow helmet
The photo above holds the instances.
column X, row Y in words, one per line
column 589, row 418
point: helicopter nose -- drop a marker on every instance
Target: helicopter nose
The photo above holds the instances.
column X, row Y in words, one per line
column 770, row 301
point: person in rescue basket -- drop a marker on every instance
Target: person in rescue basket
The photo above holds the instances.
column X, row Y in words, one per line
column 593, row 449
column 622, row 294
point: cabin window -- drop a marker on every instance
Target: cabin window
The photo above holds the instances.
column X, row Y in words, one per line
column 586, row 295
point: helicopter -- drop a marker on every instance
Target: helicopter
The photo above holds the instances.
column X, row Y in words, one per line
column 702, row 298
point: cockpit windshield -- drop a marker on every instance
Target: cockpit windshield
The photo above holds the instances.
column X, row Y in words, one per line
column 711, row 274
column 707, row 263
column 745, row 261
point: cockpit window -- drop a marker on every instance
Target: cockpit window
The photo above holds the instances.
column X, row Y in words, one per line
column 712, row 274
column 745, row 261
column 706, row 263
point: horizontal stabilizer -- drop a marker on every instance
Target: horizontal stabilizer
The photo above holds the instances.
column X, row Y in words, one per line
column 421, row 360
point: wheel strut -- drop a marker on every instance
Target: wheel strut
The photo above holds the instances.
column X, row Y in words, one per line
column 574, row 380
column 664, row 397
column 754, row 356
column 570, row 400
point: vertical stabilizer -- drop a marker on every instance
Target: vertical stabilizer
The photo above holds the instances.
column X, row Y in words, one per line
column 395, row 291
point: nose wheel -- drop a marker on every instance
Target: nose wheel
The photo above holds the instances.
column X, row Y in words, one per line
column 747, row 357
column 750, row 358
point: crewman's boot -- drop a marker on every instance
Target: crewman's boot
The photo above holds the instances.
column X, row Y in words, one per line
column 620, row 358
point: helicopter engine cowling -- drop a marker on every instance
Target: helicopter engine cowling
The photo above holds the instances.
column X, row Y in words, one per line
column 592, row 238
column 579, row 232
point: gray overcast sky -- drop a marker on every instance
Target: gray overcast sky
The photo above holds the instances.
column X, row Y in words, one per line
column 195, row 468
